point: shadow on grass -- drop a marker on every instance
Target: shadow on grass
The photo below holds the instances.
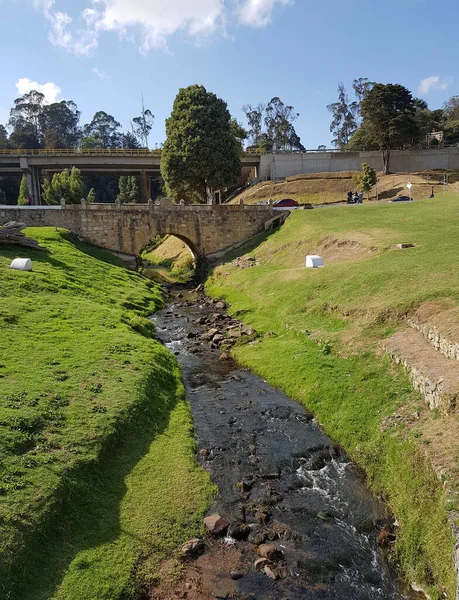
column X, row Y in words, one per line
column 93, row 251
column 36, row 256
column 86, row 513
column 389, row 194
column 246, row 248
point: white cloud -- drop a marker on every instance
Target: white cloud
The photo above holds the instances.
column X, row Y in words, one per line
column 434, row 82
column 50, row 90
column 257, row 13
column 152, row 21
column 101, row 74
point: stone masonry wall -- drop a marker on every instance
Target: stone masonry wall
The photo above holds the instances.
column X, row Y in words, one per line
column 208, row 230
column 438, row 340
column 432, row 391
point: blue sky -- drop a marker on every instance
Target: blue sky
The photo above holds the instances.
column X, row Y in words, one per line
column 104, row 54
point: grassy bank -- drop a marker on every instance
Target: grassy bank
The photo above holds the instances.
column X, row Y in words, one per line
column 97, row 475
column 327, row 325
column 174, row 255
column 320, row 188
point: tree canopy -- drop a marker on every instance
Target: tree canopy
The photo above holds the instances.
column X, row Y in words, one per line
column 143, row 124
column 344, row 121
column 129, row 190
column 201, row 152
column 388, row 118
column 271, row 126
column 67, row 185
column 367, row 179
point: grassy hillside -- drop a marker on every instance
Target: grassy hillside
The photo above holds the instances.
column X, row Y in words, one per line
column 327, row 325
column 320, row 188
column 97, row 475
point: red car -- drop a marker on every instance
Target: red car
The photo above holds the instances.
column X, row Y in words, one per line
column 285, row 203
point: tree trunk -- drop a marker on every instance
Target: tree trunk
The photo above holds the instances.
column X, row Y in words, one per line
column 210, row 195
column 385, row 153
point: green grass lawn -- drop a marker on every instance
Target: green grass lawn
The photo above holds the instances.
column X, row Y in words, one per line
column 327, row 322
column 98, row 481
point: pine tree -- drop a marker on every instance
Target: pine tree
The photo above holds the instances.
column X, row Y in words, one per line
column 123, row 184
column 67, row 184
column 76, row 186
column 134, row 190
column 91, row 196
column 200, row 154
column 23, row 191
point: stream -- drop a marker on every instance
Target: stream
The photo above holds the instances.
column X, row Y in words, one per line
column 281, row 481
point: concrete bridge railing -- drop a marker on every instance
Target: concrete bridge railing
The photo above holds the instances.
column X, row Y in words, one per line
column 208, row 230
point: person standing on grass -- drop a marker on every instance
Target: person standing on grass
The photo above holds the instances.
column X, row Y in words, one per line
column 432, row 192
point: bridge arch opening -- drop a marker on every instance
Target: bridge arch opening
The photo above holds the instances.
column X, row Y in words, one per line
column 170, row 257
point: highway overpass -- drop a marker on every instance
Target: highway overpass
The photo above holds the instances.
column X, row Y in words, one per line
column 37, row 164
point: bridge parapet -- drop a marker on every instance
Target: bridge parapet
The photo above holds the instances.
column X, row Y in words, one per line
column 209, row 230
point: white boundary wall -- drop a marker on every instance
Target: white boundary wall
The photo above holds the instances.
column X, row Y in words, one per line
column 279, row 166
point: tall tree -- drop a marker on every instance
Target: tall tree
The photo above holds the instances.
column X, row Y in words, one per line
column 344, row 123
column 143, row 124
column 201, row 153
column 279, row 120
column 3, row 137
column 25, row 117
column 102, row 132
column 388, row 118
column 130, row 141
column 23, row 191
column 361, row 87
column 451, row 108
column 58, row 124
column 271, row 126
column 254, row 116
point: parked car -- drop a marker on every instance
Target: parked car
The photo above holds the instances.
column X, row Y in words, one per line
column 285, row 203
column 402, row 199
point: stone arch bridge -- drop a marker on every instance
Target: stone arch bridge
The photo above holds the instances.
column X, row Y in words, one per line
column 208, row 230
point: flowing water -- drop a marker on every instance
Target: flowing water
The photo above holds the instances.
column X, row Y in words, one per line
column 278, row 473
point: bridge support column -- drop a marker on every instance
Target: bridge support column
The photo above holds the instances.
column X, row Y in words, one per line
column 33, row 181
column 145, row 186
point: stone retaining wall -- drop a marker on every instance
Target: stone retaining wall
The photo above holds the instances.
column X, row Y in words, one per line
column 434, row 394
column 438, row 340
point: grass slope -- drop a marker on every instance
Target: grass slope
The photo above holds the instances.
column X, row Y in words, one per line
column 174, row 255
column 320, row 188
column 366, row 287
column 97, row 475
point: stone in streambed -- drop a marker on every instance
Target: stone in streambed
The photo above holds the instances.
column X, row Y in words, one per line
column 261, row 563
column 193, row 548
column 270, row 552
column 239, row 531
column 216, row 524
column 209, row 334
column 224, row 356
